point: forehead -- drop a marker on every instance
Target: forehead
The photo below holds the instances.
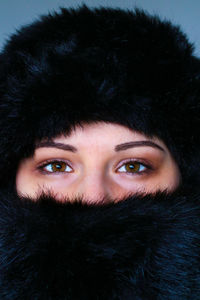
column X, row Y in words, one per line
column 104, row 135
column 101, row 129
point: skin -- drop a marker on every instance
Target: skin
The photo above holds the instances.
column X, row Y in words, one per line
column 96, row 172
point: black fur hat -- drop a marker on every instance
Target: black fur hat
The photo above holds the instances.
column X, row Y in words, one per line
column 103, row 64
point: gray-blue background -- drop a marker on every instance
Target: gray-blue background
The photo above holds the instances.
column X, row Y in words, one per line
column 14, row 13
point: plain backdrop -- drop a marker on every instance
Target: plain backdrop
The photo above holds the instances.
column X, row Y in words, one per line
column 186, row 13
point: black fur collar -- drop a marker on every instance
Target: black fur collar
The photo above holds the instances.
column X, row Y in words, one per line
column 142, row 248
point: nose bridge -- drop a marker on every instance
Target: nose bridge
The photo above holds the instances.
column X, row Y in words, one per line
column 93, row 187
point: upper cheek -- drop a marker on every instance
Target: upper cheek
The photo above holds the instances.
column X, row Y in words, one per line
column 160, row 177
column 57, row 181
column 132, row 182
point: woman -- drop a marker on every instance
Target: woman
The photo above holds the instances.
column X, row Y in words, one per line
column 99, row 119
column 100, row 169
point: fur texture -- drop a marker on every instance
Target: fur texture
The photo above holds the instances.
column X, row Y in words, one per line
column 103, row 64
column 88, row 65
column 141, row 248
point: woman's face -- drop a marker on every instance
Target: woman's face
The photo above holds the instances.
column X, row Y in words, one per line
column 97, row 162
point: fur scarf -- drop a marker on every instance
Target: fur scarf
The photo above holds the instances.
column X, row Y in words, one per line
column 146, row 247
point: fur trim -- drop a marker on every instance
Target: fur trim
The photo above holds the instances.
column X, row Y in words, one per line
column 146, row 247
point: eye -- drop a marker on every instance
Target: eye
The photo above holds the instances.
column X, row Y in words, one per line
column 133, row 167
column 55, row 167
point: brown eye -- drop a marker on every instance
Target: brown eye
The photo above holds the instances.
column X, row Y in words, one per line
column 132, row 167
column 57, row 166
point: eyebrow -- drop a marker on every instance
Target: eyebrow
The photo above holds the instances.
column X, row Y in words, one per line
column 120, row 147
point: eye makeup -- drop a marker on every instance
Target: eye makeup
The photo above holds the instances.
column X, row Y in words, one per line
column 129, row 161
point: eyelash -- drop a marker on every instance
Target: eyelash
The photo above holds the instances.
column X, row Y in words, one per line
column 146, row 165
